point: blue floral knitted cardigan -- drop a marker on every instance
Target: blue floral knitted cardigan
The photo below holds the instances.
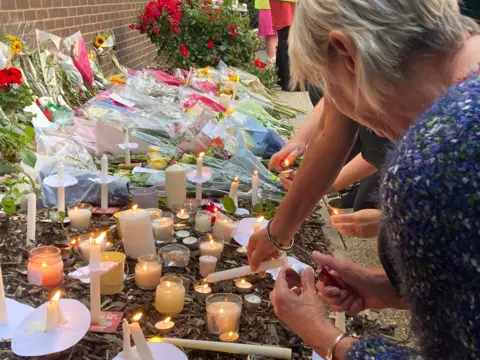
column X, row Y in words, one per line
column 431, row 200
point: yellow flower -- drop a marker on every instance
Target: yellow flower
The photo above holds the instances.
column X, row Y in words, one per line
column 90, row 56
column 224, row 91
column 99, row 41
column 116, row 80
column 234, row 78
column 11, row 37
column 204, row 71
column 16, row 47
column 229, row 112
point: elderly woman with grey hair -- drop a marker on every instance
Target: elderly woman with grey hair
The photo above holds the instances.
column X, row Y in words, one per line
column 409, row 70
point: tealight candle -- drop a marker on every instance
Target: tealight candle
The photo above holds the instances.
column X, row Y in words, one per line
column 229, row 337
column 203, row 221
column 191, row 242
column 224, row 227
column 208, row 265
column 257, row 224
column 80, row 215
column 182, row 214
column 165, row 326
column 163, row 229
column 223, row 313
column 155, row 213
column 241, row 251
column 211, row 246
column 148, row 272
column 45, row 266
column 202, row 291
column 170, row 295
column 243, row 286
column 252, row 301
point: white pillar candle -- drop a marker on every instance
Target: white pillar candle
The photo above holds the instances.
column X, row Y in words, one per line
column 200, row 164
column 95, row 249
column 198, row 192
column 31, row 218
column 148, row 273
column 52, row 314
column 95, row 299
column 212, row 248
column 208, row 265
column 234, row 190
column 61, row 188
column 79, row 217
column 162, row 228
column 127, row 346
column 245, row 270
column 137, row 232
column 126, row 144
column 175, row 185
column 223, row 316
column 170, row 296
column 143, row 349
column 257, row 224
column 104, row 187
column 3, row 302
column 223, row 228
column 254, row 188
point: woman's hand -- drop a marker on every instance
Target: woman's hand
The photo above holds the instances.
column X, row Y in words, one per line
column 291, row 151
column 361, row 287
column 364, row 223
column 260, row 249
column 287, row 181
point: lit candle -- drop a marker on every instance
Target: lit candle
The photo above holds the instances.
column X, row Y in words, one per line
column 257, row 224
column 200, row 164
column 155, row 213
column 208, row 265
column 95, row 297
column 3, row 303
column 245, row 270
column 234, row 190
column 127, row 346
column 254, row 188
column 223, row 316
column 104, row 187
column 95, row 249
column 52, row 314
column 229, row 337
column 170, row 295
column 31, row 218
column 80, row 216
column 286, row 163
column 243, row 286
column 143, row 349
column 162, row 229
column 165, row 326
column 126, row 144
column 45, row 266
column 182, row 214
column 84, row 247
column 61, row 188
column 148, row 272
column 202, row 291
column 211, row 247
column 137, row 232
column 175, row 185
column 224, row 227
column 203, row 221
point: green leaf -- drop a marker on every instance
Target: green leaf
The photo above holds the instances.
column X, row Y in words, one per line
column 258, row 209
column 29, row 132
column 9, row 205
column 229, row 205
column 8, row 169
column 28, row 157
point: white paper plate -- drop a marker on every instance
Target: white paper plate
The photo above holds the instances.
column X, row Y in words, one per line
column 245, row 229
column 16, row 313
column 207, row 174
column 291, row 261
column 87, row 280
column 53, row 181
column 26, row 342
column 160, row 351
column 108, row 180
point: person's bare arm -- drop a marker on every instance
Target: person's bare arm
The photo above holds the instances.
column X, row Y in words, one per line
column 356, row 170
column 307, row 129
column 327, row 151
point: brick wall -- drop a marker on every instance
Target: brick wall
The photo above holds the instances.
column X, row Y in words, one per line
column 64, row 17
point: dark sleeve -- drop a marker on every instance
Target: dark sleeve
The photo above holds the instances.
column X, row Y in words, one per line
column 377, row 349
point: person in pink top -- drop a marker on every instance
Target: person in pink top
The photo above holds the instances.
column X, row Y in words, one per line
column 282, row 17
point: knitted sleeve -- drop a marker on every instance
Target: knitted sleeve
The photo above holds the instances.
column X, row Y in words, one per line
column 377, row 349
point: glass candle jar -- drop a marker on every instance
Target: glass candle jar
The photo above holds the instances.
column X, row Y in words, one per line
column 224, row 227
column 223, row 313
column 112, row 281
column 203, row 221
column 148, row 272
column 163, row 228
column 45, row 266
column 80, row 215
column 170, row 295
column 145, row 198
column 175, row 255
column 155, row 213
column 210, row 245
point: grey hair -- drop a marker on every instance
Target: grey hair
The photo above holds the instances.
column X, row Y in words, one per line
column 385, row 33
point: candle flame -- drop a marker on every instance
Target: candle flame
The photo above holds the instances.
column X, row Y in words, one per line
column 134, row 207
column 205, row 286
column 137, row 317
column 235, row 179
column 202, row 154
column 215, row 210
column 210, row 237
column 230, row 333
column 155, row 339
column 335, row 212
column 211, row 242
column 109, row 244
column 260, row 219
column 286, row 163
column 243, row 281
column 182, row 212
column 144, row 268
column 255, row 172
column 76, row 209
column 221, row 311
column 100, row 238
column 73, row 242
column 56, row 297
column 167, row 320
column 44, row 265
column 169, row 284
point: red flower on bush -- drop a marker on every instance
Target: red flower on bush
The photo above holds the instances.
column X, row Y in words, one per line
column 232, row 27
column 156, row 30
column 210, row 44
column 9, row 77
column 132, row 26
column 184, row 50
column 259, row 64
column 233, row 35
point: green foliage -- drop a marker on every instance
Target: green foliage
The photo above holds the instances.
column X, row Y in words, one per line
column 11, row 188
column 267, row 76
column 229, row 205
column 267, row 210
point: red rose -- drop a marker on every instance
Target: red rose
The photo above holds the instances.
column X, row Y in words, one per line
column 156, row 30
column 132, row 26
column 210, row 44
column 184, row 50
column 232, row 27
column 259, row 64
column 233, row 35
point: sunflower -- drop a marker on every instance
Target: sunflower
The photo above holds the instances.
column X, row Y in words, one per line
column 16, row 47
column 11, row 37
column 99, row 41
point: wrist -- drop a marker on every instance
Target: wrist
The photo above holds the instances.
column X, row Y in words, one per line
column 280, row 234
column 322, row 336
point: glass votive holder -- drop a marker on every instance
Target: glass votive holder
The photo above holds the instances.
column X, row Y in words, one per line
column 148, row 272
column 145, row 198
column 163, row 228
column 84, row 242
column 224, row 227
column 45, row 266
column 112, row 282
column 80, row 215
column 175, row 255
column 210, row 245
column 182, row 213
column 155, row 213
column 203, row 221
column 170, row 295
column 201, row 291
column 223, row 313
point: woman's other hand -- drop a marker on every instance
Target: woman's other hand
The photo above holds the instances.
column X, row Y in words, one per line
column 364, row 223
column 291, row 151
